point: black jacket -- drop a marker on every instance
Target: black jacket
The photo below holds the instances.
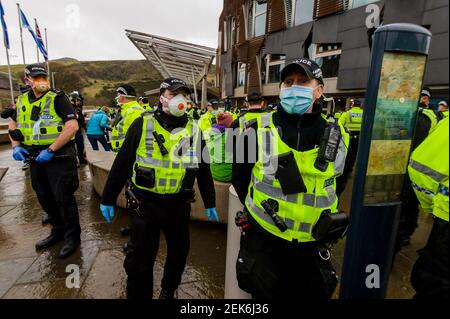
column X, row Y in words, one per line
column 123, row 166
column 301, row 133
column 423, row 127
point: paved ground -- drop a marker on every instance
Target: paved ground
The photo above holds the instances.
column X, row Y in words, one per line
column 25, row 273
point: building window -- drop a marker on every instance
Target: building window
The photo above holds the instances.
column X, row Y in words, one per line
column 274, row 64
column 360, row 3
column 257, row 17
column 328, row 56
column 241, row 74
column 302, row 11
column 230, row 32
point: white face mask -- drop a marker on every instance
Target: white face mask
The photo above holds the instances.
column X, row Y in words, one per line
column 177, row 106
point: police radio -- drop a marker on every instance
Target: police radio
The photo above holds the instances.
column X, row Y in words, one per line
column 329, row 146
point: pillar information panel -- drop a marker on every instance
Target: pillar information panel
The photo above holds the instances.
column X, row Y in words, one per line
column 393, row 129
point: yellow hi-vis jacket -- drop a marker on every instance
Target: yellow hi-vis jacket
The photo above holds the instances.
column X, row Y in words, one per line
column 299, row 211
column 49, row 125
column 428, row 171
column 164, row 174
column 352, row 119
column 130, row 111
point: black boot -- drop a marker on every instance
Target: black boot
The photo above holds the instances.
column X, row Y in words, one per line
column 68, row 249
column 165, row 294
column 46, row 219
column 48, row 242
column 125, row 231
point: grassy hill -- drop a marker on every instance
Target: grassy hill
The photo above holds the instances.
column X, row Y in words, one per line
column 97, row 80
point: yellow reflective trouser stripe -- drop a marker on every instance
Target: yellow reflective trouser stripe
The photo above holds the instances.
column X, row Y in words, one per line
column 290, row 223
column 427, row 171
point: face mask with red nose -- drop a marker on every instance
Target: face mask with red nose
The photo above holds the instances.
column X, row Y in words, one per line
column 176, row 106
column 39, row 84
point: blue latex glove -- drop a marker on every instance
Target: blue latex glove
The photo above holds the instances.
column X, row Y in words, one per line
column 45, row 156
column 107, row 212
column 19, row 153
column 212, row 214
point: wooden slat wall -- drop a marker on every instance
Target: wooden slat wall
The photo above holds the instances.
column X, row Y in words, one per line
column 254, row 78
column 276, row 16
column 324, row 8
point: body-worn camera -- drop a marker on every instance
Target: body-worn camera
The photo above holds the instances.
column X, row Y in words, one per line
column 145, row 177
column 330, row 227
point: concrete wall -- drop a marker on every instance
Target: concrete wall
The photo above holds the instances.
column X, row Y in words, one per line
column 100, row 164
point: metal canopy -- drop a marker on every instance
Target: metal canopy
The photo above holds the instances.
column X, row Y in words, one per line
column 173, row 58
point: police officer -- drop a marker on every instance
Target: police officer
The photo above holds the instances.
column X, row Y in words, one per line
column 192, row 111
column 43, row 132
column 145, row 104
column 352, row 121
column 77, row 102
column 208, row 119
column 428, row 171
column 443, row 110
column 254, row 104
column 426, row 121
column 284, row 194
column 162, row 155
column 129, row 111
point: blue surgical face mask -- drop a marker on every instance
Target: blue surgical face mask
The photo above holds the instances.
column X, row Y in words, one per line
column 296, row 99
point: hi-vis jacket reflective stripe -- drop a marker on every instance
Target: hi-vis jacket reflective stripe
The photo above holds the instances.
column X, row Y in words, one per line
column 431, row 115
column 428, row 171
column 130, row 112
column 247, row 118
column 47, row 128
column 170, row 170
column 302, row 210
column 352, row 119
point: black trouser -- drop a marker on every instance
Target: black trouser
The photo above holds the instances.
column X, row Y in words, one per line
column 354, row 144
column 430, row 274
column 409, row 214
column 55, row 184
column 272, row 268
column 79, row 140
column 173, row 219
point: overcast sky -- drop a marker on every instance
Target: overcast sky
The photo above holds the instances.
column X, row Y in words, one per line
column 94, row 29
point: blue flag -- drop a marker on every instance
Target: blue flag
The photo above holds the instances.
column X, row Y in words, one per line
column 39, row 43
column 5, row 28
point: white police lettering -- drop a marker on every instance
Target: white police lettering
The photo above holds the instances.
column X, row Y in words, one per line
column 47, row 117
column 164, row 85
column 304, row 61
column 178, row 81
column 317, row 73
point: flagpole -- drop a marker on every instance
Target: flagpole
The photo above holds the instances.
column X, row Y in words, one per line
column 21, row 34
column 10, row 75
column 48, row 63
column 37, row 47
